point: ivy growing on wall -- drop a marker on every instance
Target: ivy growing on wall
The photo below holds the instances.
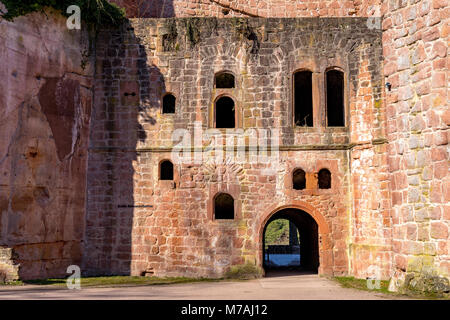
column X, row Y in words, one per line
column 93, row 12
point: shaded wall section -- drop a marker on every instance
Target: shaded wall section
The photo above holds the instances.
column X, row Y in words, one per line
column 45, row 106
column 239, row 8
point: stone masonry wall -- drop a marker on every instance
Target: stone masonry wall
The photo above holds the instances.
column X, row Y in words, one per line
column 45, row 105
column 240, row 8
column 415, row 42
column 386, row 214
column 138, row 224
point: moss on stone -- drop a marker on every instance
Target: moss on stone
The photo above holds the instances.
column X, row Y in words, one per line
column 243, row 271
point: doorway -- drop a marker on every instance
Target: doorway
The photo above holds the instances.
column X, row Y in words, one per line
column 290, row 242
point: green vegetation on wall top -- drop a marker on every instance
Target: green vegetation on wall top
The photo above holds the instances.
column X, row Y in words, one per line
column 93, row 12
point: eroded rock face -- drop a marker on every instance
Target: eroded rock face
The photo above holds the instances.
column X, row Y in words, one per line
column 59, row 99
column 45, row 103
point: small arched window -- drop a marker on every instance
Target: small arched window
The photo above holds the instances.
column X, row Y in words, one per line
column 324, row 179
column 335, row 98
column 223, row 206
column 169, row 103
column 224, row 80
column 303, row 99
column 225, row 113
column 166, row 170
column 299, row 179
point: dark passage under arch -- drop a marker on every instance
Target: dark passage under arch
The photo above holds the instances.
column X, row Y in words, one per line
column 308, row 231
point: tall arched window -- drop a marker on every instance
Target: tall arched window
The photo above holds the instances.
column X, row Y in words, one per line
column 225, row 113
column 324, row 179
column 335, row 98
column 223, row 206
column 303, row 100
column 166, row 170
column 299, row 179
column 224, row 80
column 169, row 103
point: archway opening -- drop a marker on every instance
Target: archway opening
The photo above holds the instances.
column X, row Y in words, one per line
column 291, row 242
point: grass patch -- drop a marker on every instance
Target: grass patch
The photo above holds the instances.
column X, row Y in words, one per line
column 361, row 284
column 12, row 283
column 243, row 272
column 114, row 281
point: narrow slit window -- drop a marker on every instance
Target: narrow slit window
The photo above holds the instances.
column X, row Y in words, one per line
column 225, row 80
column 225, row 113
column 335, row 98
column 166, row 170
column 299, row 179
column 169, row 103
column 303, row 100
column 223, row 206
column 324, row 178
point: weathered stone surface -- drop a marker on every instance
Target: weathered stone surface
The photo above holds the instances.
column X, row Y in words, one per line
column 178, row 235
column 425, row 130
column 245, row 8
column 386, row 214
column 45, row 103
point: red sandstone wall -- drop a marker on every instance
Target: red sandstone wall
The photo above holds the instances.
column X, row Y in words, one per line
column 415, row 42
column 415, row 49
column 45, row 105
column 130, row 136
column 236, row 8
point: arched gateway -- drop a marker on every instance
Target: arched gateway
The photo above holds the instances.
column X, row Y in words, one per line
column 314, row 242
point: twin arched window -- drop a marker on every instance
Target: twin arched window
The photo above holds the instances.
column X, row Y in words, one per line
column 299, row 179
column 303, row 98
